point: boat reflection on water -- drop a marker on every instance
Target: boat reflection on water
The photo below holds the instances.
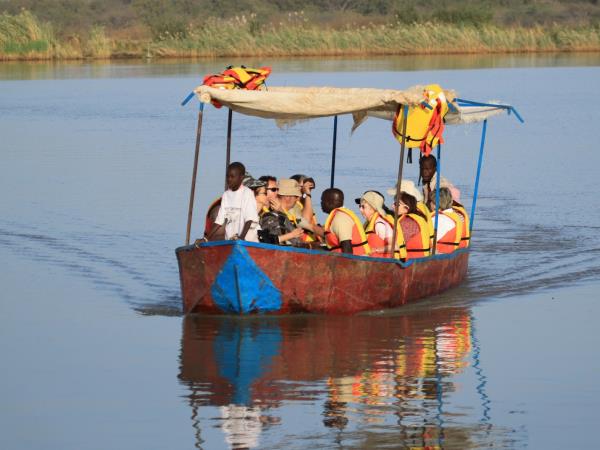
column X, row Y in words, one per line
column 374, row 380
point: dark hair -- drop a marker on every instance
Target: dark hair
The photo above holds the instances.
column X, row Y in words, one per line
column 267, row 178
column 334, row 193
column 237, row 166
column 299, row 178
column 411, row 202
column 422, row 159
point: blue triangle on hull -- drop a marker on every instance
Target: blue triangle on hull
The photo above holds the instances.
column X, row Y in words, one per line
column 241, row 287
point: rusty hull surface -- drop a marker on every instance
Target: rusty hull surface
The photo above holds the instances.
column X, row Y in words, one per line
column 315, row 281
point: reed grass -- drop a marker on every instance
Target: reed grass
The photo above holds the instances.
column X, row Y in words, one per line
column 24, row 37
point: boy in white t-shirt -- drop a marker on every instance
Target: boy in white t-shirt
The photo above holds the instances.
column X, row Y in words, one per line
column 238, row 206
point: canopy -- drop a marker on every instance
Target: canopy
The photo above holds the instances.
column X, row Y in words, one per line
column 290, row 104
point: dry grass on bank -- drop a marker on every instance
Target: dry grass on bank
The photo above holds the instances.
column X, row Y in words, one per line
column 23, row 37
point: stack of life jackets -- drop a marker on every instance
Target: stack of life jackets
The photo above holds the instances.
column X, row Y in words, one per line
column 238, row 78
column 425, row 122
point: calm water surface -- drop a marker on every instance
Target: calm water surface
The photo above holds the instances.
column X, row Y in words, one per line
column 94, row 177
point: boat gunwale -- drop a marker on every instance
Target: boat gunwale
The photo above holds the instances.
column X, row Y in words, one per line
column 289, row 248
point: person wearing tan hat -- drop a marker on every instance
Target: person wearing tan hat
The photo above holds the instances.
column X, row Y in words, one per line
column 378, row 226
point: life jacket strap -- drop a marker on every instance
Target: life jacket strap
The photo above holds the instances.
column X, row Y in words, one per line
column 456, row 244
column 353, row 245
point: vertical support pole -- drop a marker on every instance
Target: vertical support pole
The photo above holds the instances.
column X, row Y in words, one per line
column 228, row 157
column 479, row 162
column 335, row 120
column 399, row 179
column 438, row 174
column 194, row 173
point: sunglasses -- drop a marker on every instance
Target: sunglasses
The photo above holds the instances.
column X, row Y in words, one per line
column 273, row 189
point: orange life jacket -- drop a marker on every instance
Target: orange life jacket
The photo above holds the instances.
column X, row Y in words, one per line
column 451, row 240
column 374, row 240
column 360, row 245
column 465, row 238
column 417, row 246
column 425, row 211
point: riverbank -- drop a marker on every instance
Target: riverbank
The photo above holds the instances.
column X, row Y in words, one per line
column 23, row 37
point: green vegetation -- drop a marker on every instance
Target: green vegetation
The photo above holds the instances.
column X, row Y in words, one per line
column 58, row 29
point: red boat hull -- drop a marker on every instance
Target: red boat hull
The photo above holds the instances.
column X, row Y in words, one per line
column 313, row 281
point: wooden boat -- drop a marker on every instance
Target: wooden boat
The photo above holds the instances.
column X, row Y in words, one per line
column 237, row 277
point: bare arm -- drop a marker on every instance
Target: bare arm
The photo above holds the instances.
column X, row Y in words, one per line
column 247, row 226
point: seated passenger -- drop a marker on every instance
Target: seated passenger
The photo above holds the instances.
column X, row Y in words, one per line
column 449, row 229
column 343, row 231
column 275, row 227
column 272, row 192
column 412, row 236
column 464, row 217
column 409, row 187
column 378, row 227
column 304, row 207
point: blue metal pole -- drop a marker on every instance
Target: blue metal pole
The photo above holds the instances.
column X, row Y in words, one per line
column 335, row 120
column 438, row 174
column 476, row 190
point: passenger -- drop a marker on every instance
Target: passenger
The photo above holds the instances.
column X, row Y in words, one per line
column 412, row 237
column 272, row 192
column 464, row 217
column 379, row 226
column 304, row 207
column 343, row 231
column 409, row 187
column 275, row 227
column 427, row 170
column 449, row 229
column 238, row 206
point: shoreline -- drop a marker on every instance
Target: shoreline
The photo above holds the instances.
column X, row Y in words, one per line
column 25, row 38
column 305, row 54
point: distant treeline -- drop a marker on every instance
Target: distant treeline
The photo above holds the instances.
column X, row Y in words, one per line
column 41, row 29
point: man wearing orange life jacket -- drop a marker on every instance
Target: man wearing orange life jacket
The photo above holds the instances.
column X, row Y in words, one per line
column 343, row 231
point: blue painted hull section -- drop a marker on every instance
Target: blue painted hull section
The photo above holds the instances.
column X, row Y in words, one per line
column 241, row 287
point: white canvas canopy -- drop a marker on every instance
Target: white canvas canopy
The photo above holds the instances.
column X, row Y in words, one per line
column 290, row 104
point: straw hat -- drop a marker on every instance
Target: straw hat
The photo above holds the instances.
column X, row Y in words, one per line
column 289, row 187
column 375, row 200
column 409, row 187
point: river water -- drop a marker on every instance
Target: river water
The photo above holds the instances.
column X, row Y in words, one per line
column 95, row 166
